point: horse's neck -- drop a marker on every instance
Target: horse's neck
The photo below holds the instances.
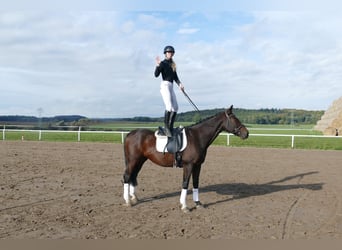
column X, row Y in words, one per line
column 209, row 130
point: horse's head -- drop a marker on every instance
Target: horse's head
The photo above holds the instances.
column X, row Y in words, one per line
column 233, row 124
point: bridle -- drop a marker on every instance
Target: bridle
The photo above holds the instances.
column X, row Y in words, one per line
column 236, row 131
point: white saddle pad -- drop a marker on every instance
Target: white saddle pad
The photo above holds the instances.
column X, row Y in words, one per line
column 161, row 141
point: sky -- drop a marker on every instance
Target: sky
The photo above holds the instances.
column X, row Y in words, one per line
column 97, row 58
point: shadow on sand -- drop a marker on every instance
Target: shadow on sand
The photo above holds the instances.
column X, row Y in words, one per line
column 243, row 190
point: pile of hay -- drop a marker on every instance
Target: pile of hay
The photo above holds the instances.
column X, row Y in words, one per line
column 331, row 121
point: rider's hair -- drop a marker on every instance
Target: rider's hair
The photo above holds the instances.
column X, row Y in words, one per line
column 173, row 65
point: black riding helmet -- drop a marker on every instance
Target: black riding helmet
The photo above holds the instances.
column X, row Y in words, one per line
column 169, row 49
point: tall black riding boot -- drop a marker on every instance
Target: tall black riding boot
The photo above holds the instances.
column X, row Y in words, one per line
column 172, row 120
column 167, row 123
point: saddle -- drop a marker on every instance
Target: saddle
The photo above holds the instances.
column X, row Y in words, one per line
column 174, row 145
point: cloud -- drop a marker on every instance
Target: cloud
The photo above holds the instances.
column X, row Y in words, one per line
column 187, row 31
column 101, row 63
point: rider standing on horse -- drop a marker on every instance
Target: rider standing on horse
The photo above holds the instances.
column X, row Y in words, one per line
column 167, row 68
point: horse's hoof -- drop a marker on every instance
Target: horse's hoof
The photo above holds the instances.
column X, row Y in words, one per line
column 199, row 205
column 134, row 200
column 127, row 204
column 185, row 209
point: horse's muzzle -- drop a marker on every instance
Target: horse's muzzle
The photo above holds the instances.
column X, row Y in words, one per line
column 243, row 133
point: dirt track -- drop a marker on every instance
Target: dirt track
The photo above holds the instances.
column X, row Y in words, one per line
column 74, row 190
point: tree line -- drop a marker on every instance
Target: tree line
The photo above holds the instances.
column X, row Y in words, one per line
column 249, row 116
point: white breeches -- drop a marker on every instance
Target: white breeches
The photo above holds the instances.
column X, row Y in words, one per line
column 169, row 96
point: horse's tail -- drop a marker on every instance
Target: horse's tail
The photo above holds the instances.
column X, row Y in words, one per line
column 131, row 163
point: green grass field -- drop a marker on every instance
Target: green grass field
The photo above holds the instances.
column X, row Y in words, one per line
column 268, row 136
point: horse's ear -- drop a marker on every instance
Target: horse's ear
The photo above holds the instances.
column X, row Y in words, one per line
column 229, row 110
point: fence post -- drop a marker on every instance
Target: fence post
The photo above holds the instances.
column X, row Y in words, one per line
column 79, row 134
column 40, row 135
column 292, row 142
column 3, row 133
column 122, row 137
column 228, row 137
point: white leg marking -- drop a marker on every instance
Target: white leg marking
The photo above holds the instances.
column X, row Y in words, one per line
column 134, row 199
column 195, row 194
column 131, row 190
column 182, row 198
column 126, row 193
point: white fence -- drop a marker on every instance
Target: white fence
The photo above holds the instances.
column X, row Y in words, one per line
column 281, row 135
column 79, row 133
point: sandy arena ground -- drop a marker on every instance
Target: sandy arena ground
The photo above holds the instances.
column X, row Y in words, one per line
column 74, row 191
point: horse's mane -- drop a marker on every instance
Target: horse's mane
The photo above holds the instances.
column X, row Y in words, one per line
column 204, row 119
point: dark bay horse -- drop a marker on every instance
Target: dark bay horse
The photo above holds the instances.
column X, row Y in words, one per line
column 140, row 145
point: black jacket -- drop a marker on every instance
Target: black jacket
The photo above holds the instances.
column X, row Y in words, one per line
column 167, row 72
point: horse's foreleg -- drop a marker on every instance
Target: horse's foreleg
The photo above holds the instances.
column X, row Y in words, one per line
column 186, row 177
column 195, row 195
column 195, row 182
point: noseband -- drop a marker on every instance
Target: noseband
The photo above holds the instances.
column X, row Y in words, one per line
column 236, row 131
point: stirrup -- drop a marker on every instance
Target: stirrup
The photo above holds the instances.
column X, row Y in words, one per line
column 178, row 160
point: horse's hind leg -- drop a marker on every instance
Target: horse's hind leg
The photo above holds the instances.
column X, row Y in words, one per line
column 129, row 194
column 126, row 194
column 130, row 180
